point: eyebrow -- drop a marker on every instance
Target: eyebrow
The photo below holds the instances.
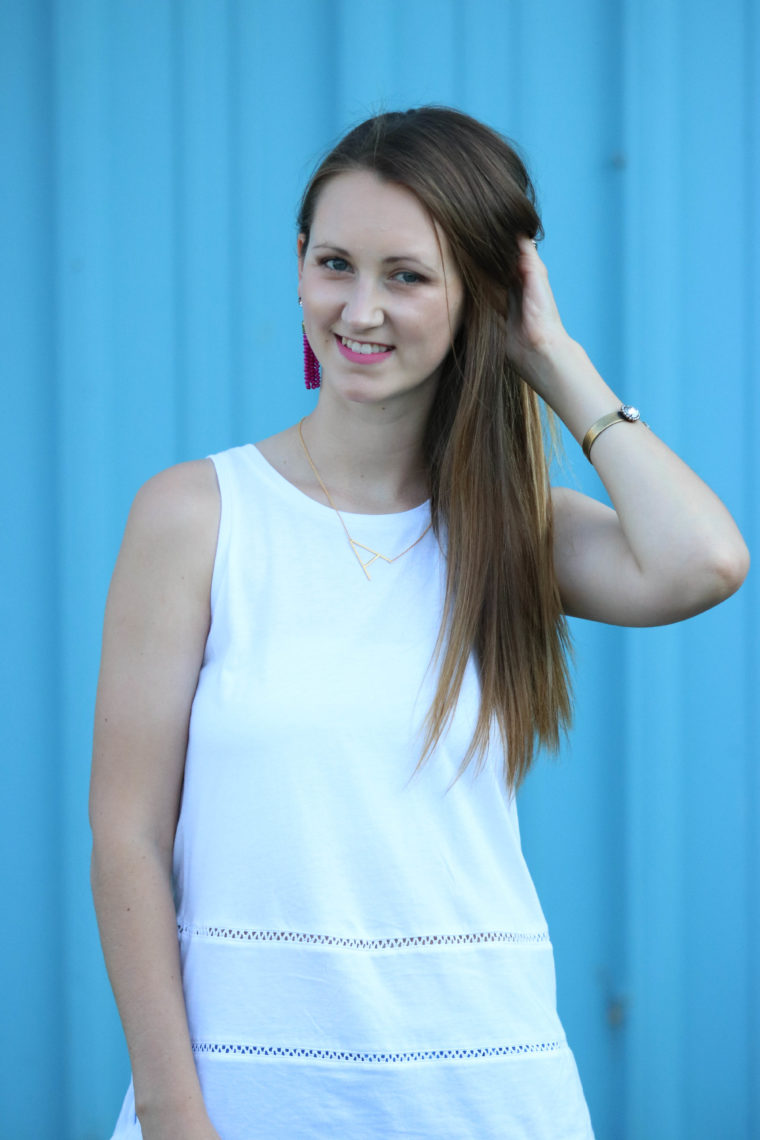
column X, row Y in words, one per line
column 392, row 260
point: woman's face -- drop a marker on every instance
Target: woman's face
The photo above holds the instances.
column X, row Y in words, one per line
column 382, row 299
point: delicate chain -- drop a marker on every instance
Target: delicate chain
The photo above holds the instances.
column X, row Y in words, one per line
column 355, row 546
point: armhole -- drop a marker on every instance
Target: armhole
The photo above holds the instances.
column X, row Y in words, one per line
column 221, row 555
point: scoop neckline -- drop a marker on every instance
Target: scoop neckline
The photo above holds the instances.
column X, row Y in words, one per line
column 296, row 493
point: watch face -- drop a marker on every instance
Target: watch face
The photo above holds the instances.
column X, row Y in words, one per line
column 628, row 412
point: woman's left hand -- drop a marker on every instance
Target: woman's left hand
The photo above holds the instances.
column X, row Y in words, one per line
column 535, row 327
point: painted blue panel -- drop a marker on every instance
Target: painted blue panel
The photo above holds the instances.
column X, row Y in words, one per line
column 689, row 898
column 150, row 314
column 572, row 134
column 89, row 480
column 652, row 209
column 283, row 63
column 716, row 884
column 32, row 1088
column 203, row 224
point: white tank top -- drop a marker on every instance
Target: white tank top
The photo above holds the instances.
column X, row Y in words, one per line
column 364, row 955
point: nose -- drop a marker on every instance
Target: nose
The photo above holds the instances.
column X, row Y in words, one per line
column 362, row 308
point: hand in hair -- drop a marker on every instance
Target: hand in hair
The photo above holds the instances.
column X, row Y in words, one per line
column 535, row 326
column 669, row 549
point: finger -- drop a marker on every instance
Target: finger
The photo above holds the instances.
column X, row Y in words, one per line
column 528, row 248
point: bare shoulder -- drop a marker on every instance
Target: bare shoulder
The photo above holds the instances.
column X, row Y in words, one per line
column 166, row 559
column 181, row 502
column 158, row 609
column 175, row 515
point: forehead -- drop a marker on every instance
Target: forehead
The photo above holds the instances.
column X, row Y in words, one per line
column 361, row 206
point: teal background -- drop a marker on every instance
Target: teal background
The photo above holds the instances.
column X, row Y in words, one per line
column 153, row 152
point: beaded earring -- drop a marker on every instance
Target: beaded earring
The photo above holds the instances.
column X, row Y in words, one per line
column 310, row 363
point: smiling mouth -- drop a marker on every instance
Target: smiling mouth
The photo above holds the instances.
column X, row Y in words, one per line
column 365, row 348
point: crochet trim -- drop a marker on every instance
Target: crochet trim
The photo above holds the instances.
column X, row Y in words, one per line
column 413, row 942
column 237, row 1049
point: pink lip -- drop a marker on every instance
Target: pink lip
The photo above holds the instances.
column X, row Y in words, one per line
column 361, row 357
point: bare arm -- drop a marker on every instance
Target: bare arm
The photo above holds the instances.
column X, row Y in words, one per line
column 669, row 549
column 157, row 620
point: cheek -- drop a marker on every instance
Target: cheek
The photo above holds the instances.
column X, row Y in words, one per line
column 445, row 322
column 323, row 295
column 433, row 319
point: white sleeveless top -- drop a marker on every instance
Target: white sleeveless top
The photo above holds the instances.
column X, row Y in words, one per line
column 364, row 955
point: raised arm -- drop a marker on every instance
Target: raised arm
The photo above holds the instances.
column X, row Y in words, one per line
column 669, row 549
column 157, row 620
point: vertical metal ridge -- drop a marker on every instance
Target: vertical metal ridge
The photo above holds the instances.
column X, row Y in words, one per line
column 748, row 239
column 652, row 659
column 31, row 827
column 176, row 325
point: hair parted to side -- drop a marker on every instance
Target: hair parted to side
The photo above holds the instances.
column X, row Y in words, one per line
column 484, row 442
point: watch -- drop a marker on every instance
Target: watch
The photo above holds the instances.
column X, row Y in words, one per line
column 625, row 414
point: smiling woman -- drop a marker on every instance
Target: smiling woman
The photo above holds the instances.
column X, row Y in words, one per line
column 307, row 868
column 378, row 284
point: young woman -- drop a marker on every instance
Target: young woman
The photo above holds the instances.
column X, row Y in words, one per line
column 329, row 659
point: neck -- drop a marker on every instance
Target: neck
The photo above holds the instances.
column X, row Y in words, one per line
column 369, row 457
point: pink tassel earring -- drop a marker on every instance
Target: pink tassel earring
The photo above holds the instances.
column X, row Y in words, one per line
column 310, row 364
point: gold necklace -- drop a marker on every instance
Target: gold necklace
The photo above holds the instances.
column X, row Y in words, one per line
column 355, row 546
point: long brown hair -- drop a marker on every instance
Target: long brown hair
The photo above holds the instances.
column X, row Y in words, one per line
column 484, row 442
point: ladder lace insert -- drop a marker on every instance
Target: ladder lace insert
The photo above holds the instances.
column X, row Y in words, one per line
column 226, row 1049
column 412, row 942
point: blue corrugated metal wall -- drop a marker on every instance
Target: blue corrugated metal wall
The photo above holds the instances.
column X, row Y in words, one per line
column 153, row 152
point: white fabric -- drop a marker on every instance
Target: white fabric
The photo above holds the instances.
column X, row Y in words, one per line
column 364, row 955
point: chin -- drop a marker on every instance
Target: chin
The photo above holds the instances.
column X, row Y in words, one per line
column 365, row 389
column 363, row 393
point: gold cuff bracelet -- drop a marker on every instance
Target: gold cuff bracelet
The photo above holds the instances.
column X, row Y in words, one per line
column 625, row 414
